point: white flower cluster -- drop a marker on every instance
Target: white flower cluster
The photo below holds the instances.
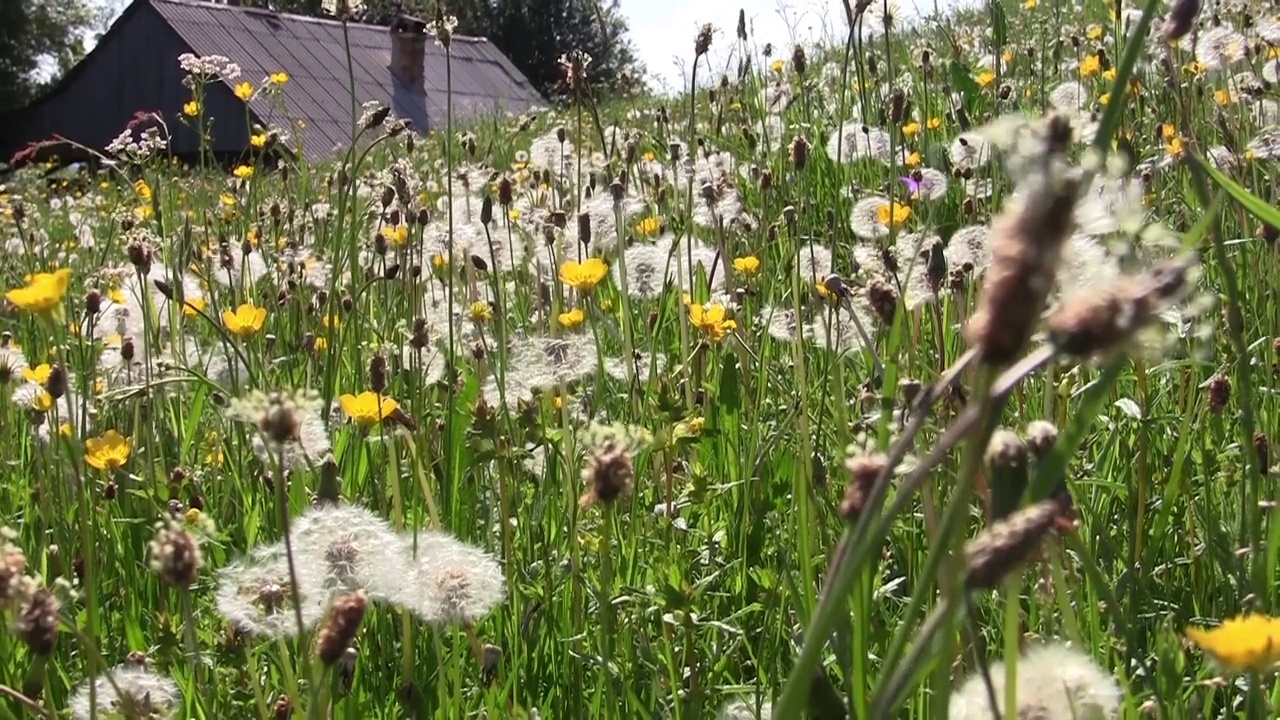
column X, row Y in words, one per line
column 208, row 68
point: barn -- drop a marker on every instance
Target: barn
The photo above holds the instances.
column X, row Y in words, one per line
column 134, row 69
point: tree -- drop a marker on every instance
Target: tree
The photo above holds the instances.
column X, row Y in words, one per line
column 36, row 37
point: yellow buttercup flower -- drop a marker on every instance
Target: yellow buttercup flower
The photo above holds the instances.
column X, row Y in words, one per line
column 911, row 129
column 193, row 306
column 38, row 374
column 1090, row 65
column 258, row 140
column 245, row 322
column 985, row 78
column 43, row 294
column 1243, row 643
column 583, row 276
column 396, row 235
column 244, row 90
column 648, row 226
column 109, row 452
column 368, row 408
column 572, row 319
column 278, row 78
column 711, row 320
column 747, row 266
column 894, row 215
column 244, row 172
column 191, row 108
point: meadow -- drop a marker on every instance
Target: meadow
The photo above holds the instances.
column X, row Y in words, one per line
column 926, row 375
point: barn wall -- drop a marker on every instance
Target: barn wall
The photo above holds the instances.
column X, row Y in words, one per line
column 134, row 69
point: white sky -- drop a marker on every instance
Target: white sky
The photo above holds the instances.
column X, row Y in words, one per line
column 662, row 31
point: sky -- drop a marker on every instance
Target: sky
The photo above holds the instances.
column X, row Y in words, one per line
column 663, row 31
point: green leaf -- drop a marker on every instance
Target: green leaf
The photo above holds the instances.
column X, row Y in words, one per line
column 962, row 79
column 1000, row 31
column 1256, row 206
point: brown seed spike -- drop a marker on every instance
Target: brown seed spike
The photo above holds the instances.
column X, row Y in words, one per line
column 1005, row 545
column 1026, row 246
column 608, row 475
column 340, row 630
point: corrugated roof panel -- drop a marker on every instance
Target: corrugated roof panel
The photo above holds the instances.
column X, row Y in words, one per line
column 315, row 55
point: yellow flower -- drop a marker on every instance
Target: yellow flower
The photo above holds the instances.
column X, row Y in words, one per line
column 65, row 429
column 258, row 140
column 912, row 160
column 245, row 322
column 143, row 189
column 911, row 129
column 368, row 408
column 748, row 265
column 279, row 78
column 193, row 516
column 244, row 90
column 1174, row 147
column 894, row 215
column 480, row 312
column 109, row 452
column 934, row 123
column 193, row 306
column 648, row 226
column 1222, row 97
column 191, row 108
column 1168, row 131
column 38, row 375
column 777, row 66
column 688, row 428
column 1196, row 68
column 1093, row 32
column 397, row 235
column 710, row 320
column 42, row 402
column 583, row 276
column 1105, row 99
column 321, row 344
column 43, row 293
column 985, row 78
column 1245, row 642
column 244, row 172
column 572, row 319
column 1029, row 4
column 331, row 322
column 1090, row 65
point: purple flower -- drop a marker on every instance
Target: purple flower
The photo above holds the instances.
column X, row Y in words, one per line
column 913, row 185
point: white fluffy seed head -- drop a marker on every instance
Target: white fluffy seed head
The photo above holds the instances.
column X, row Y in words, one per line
column 256, row 596
column 143, row 692
column 455, row 583
column 344, row 548
column 1054, row 682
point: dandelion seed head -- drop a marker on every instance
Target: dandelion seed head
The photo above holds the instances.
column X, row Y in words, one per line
column 1054, row 682
column 455, row 582
column 141, row 692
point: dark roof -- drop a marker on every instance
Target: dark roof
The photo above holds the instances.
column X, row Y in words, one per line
column 313, row 51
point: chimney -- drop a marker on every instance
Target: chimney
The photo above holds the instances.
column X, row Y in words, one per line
column 409, row 50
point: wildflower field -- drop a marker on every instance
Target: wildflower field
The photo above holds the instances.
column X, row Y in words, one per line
column 930, row 374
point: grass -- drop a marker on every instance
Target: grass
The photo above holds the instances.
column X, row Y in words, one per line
column 759, row 507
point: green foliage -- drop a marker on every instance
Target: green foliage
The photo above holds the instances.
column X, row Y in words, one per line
column 33, row 32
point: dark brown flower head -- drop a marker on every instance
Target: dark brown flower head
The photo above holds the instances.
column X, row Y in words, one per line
column 1181, row 19
column 1219, row 393
column 608, row 475
column 799, row 152
column 283, row 708
column 36, row 623
column 175, row 555
column 1006, row 544
column 56, row 385
column 341, row 627
column 1026, row 246
column 702, row 43
column 799, row 61
column 1262, row 448
column 378, row 373
column 584, row 230
column 1098, row 322
column 863, row 471
column 883, row 298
